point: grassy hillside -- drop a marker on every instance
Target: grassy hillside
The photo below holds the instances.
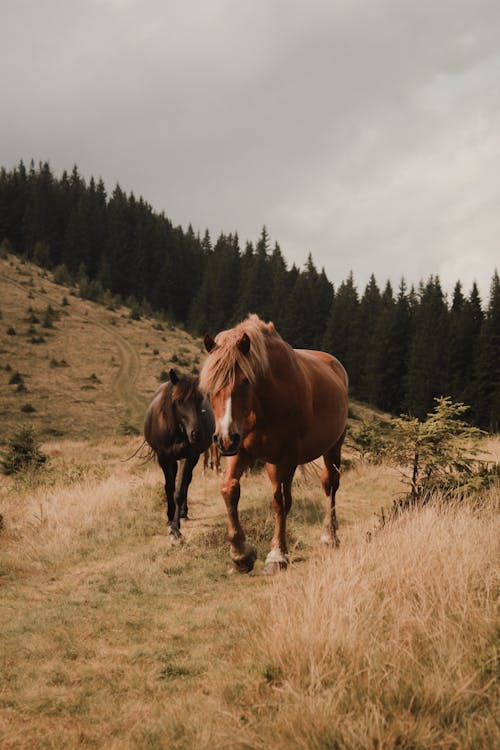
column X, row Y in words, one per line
column 113, row 638
column 87, row 372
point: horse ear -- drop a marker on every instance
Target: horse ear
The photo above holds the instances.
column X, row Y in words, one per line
column 209, row 342
column 174, row 378
column 244, row 344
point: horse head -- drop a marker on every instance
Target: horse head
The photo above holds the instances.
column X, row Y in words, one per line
column 232, row 403
column 190, row 408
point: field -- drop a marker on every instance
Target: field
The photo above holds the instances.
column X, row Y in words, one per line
column 113, row 638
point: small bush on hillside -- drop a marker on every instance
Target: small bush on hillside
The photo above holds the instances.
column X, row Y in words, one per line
column 16, row 378
column 28, row 409
column 11, row 331
column 437, row 454
column 23, row 452
column 49, row 317
column 5, row 248
column 62, row 276
column 369, row 441
column 41, row 255
column 91, row 289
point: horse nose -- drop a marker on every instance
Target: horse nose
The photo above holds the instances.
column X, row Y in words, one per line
column 195, row 436
column 228, row 445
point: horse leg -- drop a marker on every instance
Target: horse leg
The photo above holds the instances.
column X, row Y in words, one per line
column 242, row 554
column 207, row 460
column 186, row 474
column 281, row 479
column 330, row 480
column 169, row 468
column 216, row 459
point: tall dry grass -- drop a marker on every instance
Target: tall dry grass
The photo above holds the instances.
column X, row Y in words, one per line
column 113, row 638
column 387, row 644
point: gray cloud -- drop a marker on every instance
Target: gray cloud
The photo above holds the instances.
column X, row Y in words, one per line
column 364, row 131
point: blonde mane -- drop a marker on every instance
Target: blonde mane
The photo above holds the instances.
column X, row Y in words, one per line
column 219, row 369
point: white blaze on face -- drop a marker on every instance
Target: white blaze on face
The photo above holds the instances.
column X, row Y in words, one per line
column 226, row 420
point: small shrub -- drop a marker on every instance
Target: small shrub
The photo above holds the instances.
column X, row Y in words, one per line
column 49, row 317
column 58, row 363
column 11, row 331
column 437, row 454
column 62, row 276
column 16, row 378
column 368, row 440
column 5, row 248
column 22, row 452
column 41, row 255
column 28, row 409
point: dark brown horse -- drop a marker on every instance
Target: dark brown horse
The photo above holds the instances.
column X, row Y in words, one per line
column 178, row 426
column 285, row 406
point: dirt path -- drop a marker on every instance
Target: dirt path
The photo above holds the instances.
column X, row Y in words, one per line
column 124, row 385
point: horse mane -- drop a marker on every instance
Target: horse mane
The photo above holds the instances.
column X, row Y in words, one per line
column 219, row 368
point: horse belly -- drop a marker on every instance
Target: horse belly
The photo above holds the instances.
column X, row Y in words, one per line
column 325, row 429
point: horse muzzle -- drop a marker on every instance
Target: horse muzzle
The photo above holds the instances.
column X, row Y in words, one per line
column 228, row 446
column 195, row 437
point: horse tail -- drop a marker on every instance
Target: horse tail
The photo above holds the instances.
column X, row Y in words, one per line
column 149, row 453
column 310, row 471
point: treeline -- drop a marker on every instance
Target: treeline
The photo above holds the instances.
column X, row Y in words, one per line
column 401, row 347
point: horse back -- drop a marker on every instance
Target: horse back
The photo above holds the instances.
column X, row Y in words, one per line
column 332, row 363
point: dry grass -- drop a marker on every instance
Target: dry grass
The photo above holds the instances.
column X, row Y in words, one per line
column 112, row 638
column 388, row 644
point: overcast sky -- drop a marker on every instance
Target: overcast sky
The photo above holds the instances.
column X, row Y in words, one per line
column 366, row 132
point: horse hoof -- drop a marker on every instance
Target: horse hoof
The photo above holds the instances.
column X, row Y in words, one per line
column 272, row 568
column 329, row 540
column 244, row 561
column 276, row 561
column 174, row 536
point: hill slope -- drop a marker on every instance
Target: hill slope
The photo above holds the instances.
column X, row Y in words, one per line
column 86, row 369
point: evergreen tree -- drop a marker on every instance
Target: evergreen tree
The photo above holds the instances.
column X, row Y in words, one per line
column 341, row 331
column 486, row 405
column 465, row 325
column 256, row 283
column 427, row 368
column 370, row 310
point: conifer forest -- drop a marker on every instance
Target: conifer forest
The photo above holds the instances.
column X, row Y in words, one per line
column 402, row 347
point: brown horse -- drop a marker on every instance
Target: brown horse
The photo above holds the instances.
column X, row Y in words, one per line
column 285, row 406
column 178, row 426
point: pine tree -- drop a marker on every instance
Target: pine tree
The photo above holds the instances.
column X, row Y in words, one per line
column 486, row 405
column 341, row 331
column 428, row 357
column 370, row 310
